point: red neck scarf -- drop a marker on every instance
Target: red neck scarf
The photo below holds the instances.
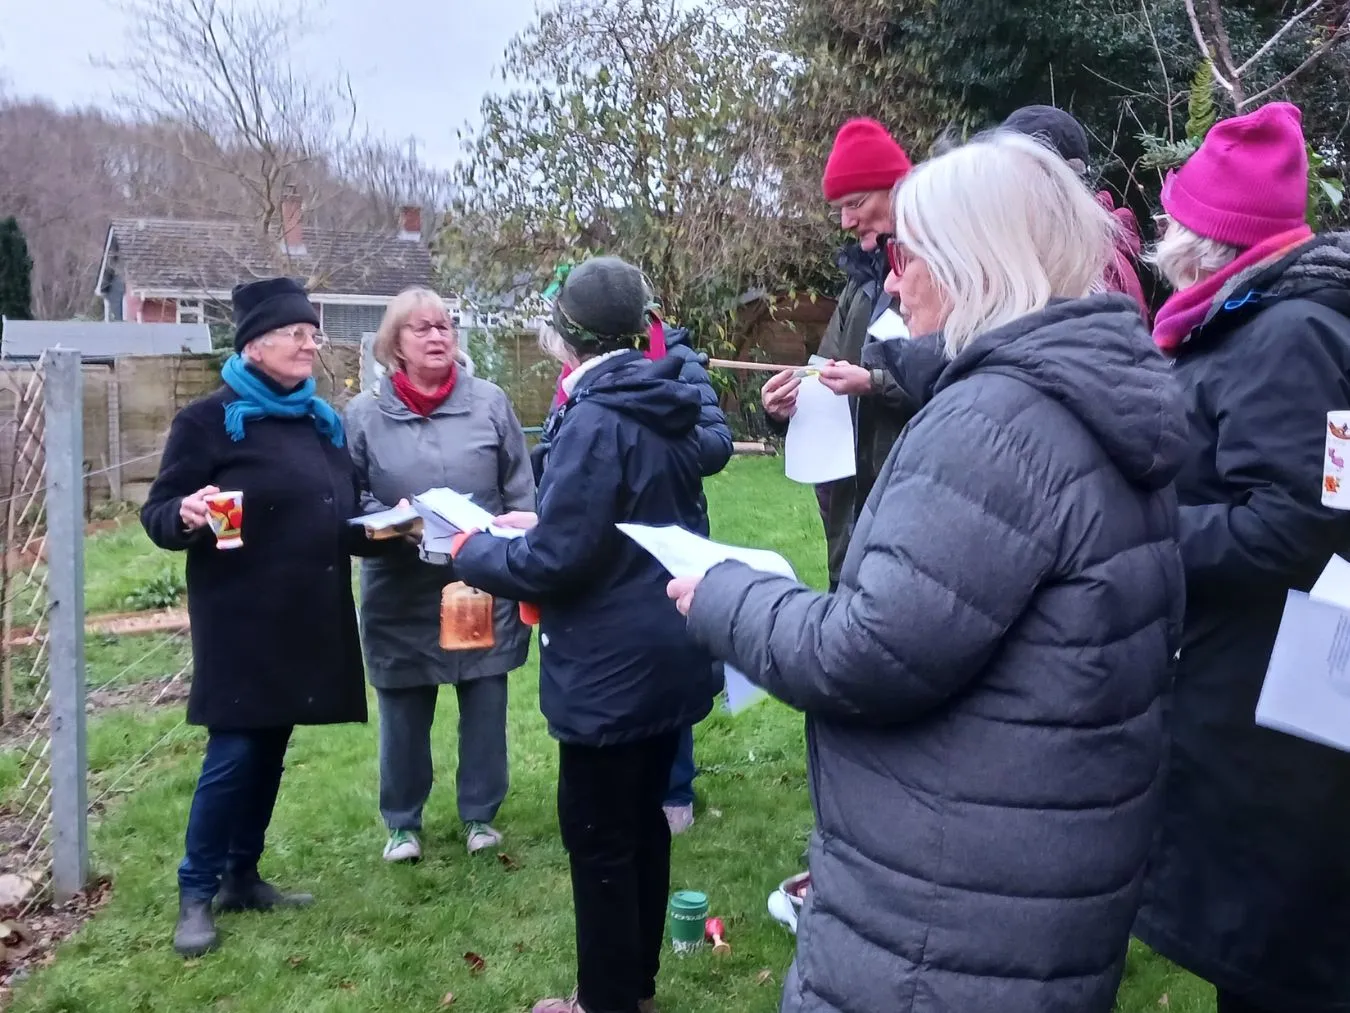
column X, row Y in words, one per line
column 418, row 402
column 1188, row 309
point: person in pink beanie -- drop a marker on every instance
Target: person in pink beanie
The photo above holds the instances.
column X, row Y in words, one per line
column 1249, row 880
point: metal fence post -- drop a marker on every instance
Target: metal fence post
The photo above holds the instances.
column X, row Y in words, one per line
column 64, row 453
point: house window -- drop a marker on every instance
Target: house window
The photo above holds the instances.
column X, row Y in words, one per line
column 190, row 311
column 345, row 323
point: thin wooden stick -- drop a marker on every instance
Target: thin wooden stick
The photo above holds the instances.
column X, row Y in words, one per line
column 754, row 367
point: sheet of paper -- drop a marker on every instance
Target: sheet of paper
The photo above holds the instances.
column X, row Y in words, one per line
column 460, row 512
column 1307, row 687
column 819, row 446
column 390, row 518
column 889, row 326
column 685, row 554
column 1333, row 587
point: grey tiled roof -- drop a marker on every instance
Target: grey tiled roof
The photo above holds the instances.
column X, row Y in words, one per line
column 160, row 253
column 28, row 339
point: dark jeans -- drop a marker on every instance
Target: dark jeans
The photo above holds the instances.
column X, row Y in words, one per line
column 618, row 844
column 231, row 808
column 1230, row 1003
column 680, row 791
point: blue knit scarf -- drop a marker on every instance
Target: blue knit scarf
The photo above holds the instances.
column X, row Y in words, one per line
column 257, row 400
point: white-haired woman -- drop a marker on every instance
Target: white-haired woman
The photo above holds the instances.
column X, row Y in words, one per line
column 983, row 692
column 433, row 424
column 1249, row 884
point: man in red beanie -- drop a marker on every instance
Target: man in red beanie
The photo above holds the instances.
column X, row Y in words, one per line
column 864, row 166
column 1248, row 885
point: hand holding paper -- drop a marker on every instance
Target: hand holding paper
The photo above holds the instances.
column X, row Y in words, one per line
column 846, row 378
column 681, row 591
column 819, row 445
column 687, row 557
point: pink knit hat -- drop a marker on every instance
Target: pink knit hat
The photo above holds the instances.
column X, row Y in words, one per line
column 1247, row 182
column 865, row 157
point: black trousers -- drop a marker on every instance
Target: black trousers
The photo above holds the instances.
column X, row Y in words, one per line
column 1230, row 1003
column 618, row 844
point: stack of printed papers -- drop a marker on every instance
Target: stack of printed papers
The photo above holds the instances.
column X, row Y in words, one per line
column 1307, row 687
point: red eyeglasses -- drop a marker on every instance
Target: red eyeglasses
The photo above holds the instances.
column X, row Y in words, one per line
column 897, row 257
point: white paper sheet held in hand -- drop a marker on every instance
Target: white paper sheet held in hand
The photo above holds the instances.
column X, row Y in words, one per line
column 394, row 517
column 458, row 511
column 819, row 445
column 685, row 554
column 1307, row 687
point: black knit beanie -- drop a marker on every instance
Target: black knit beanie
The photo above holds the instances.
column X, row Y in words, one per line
column 262, row 306
column 603, row 306
column 1054, row 127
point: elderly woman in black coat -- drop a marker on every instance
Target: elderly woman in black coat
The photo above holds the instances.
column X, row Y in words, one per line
column 984, row 692
column 274, row 635
column 1249, row 883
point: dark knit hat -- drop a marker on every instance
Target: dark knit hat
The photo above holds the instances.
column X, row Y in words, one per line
column 603, row 305
column 262, row 306
column 1054, row 127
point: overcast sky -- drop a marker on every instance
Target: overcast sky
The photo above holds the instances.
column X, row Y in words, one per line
column 419, row 67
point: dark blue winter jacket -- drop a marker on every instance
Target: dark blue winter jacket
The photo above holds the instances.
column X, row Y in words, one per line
column 616, row 663
column 714, row 435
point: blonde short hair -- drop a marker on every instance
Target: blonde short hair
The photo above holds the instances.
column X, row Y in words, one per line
column 1186, row 258
column 403, row 305
column 1004, row 225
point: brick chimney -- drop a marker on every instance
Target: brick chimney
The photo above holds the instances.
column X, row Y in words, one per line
column 292, row 231
column 410, row 223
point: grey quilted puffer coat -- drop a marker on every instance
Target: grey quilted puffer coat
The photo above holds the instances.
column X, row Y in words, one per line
column 984, row 693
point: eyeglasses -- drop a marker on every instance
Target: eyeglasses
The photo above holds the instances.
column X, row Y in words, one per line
column 422, row 328
column 298, row 335
column 897, row 257
column 853, row 206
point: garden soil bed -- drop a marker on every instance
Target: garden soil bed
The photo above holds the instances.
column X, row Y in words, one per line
column 30, row 942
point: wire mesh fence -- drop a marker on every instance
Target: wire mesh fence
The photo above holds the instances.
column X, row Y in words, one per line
column 25, row 685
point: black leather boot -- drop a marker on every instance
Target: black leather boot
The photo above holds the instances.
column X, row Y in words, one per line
column 196, row 930
column 247, row 891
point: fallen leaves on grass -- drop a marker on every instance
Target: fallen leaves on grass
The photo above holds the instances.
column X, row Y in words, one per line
column 477, row 965
column 764, row 977
column 295, row 961
column 448, row 999
column 507, row 862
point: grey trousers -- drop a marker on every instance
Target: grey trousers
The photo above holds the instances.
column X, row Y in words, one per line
column 405, row 751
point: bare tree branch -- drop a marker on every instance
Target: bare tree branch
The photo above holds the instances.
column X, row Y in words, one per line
column 1280, row 33
column 1338, row 36
column 1209, row 52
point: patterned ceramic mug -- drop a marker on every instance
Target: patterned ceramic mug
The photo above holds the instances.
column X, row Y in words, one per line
column 225, row 511
column 1335, row 474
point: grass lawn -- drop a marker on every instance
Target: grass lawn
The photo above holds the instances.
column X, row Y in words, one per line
column 396, row 939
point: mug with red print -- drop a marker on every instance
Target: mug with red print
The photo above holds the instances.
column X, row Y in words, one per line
column 226, row 516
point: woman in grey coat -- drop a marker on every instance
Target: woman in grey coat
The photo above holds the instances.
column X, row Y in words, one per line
column 433, row 424
column 984, row 691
